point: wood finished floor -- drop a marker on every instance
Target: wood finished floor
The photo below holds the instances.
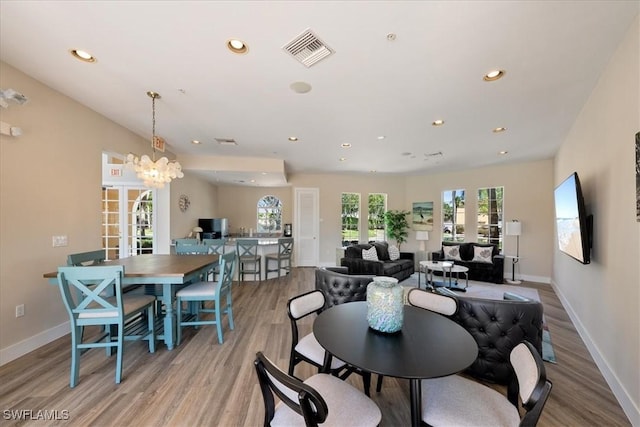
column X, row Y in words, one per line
column 203, row 383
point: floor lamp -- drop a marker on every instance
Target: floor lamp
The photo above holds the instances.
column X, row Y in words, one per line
column 514, row 228
column 422, row 236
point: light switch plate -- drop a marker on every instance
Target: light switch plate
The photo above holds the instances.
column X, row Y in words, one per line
column 60, row 241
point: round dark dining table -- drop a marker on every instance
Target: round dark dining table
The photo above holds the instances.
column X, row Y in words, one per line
column 429, row 345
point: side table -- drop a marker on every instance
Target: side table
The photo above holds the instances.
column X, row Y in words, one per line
column 447, row 268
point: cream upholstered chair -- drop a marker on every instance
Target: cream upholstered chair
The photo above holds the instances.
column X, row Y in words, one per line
column 308, row 348
column 458, row 401
column 321, row 399
column 437, row 303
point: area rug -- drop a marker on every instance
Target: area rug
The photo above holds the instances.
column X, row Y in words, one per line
column 491, row 291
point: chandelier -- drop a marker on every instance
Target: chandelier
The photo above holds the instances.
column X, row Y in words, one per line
column 154, row 173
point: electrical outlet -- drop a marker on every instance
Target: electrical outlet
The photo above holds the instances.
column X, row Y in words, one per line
column 20, row 310
column 60, row 241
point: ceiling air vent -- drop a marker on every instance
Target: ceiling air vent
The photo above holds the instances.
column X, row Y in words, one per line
column 308, row 49
column 226, row 141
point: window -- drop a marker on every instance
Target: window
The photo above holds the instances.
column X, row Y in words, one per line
column 269, row 214
column 377, row 208
column 490, row 215
column 453, row 215
column 350, row 218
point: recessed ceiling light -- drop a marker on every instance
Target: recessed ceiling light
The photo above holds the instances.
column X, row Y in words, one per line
column 502, row 153
column 342, row 159
column 381, row 137
column 438, row 122
column 493, row 75
column 391, row 37
column 293, row 138
column 195, row 141
column 264, row 173
column 82, row 55
column 345, row 145
column 300, row 87
column 253, row 180
column 237, row 46
column 498, row 130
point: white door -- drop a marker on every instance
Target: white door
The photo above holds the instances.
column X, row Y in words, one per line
column 306, row 227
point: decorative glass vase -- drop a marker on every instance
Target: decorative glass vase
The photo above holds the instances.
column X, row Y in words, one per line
column 385, row 304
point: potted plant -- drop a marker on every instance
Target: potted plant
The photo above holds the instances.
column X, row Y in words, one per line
column 397, row 225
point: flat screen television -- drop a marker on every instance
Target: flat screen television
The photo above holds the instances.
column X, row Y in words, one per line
column 573, row 225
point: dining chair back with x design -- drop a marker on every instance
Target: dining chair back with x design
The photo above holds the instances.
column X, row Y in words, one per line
column 87, row 258
column 216, row 246
column 320, row 399
column 249, row 261
column 282, row 258
column 218, row 292
column 93, row 295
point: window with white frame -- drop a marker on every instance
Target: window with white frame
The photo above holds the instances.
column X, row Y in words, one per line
column 453, row 215
column 490, row 202
column 377, row 207
column 350, row 218
column 269, row 214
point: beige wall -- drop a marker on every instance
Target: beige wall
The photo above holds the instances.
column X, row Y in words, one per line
column 239, row 205
column 204, row 204
column 528, row 197
column 603, row 297
column 50, row 184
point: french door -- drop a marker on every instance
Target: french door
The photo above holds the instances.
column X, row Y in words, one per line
column 128, row 221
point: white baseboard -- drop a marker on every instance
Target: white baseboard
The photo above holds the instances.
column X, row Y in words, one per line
column 622, row 395
column 26, row 346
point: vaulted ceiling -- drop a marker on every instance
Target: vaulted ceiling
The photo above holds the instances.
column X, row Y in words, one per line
column 392, row 69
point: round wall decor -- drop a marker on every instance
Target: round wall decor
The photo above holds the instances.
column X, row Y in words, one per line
column 184, row 202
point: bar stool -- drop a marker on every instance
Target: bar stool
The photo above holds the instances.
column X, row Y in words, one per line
column 285, row 251
column 249, row 261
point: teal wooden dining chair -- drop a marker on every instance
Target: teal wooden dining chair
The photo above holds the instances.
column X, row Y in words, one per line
column 87, row 258
column 250, row 262
column 219, row 292
column 216, row 246
column 282, row 258
column 93, row 295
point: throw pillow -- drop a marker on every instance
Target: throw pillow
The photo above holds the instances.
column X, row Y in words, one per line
column 370, row 254
column 452, row 252
column 482, row 254
column 394, row 253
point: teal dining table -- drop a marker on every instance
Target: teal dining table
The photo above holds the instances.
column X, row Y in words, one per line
column 170, row 272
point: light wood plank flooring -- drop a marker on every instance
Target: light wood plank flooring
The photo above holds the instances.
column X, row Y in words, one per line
column 203, row 383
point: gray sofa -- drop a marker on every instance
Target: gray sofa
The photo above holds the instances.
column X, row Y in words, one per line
column 400, row 269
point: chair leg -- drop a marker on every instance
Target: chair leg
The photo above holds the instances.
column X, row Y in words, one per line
column 218, row 320
column 119, row 353
column 76, row 332
column 379, row 385
column 230, row 311
column 366, row 381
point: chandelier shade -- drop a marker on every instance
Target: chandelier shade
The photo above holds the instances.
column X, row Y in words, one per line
column 154, row 173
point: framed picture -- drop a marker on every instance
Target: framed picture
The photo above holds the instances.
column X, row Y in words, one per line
column 638, row 176
column 422, row 214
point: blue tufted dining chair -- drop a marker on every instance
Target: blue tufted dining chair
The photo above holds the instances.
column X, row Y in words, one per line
column 93, row 295
column 219, row 292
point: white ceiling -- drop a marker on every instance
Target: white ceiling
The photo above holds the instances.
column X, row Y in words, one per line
column 553, row 53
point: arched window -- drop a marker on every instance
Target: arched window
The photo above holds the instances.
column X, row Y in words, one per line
column 269, row 214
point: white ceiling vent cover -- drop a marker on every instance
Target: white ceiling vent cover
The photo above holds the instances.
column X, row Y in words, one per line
column 308, row 49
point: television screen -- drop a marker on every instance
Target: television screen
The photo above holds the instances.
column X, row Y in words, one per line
column 572, row 224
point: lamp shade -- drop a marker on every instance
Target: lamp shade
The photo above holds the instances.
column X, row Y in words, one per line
column 197, row 229
column 422, row 235
column 514, row 228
